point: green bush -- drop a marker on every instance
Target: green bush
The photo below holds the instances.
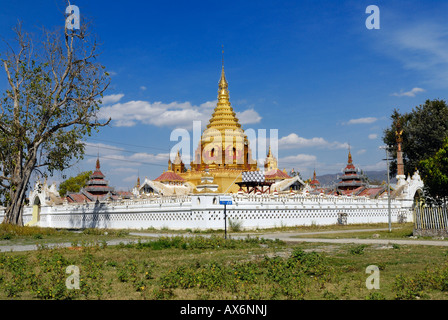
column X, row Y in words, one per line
column 136, row 273
column 375, row 295
column 235, row 225
column 311, row 263
column 9, row 231
column 6, row 236
column 199, row 242
column 358, row 250
column 104, row 232
column 408, row 288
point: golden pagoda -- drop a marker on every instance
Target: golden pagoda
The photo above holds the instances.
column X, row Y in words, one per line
column 271, row 162
column 224, row 149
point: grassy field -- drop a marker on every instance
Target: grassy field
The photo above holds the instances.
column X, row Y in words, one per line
column 399, row 231
column 213, row 268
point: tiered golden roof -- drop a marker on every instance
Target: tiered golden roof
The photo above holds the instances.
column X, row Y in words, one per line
column 224, row 143
column 223, row 152
column 223, row 117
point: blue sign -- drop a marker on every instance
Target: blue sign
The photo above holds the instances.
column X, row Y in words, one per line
column 226, row 200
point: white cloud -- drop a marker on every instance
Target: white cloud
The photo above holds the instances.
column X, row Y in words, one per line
column 299, row 161
column 420, row 46
column 125, row 170
column 373, row 136
column 362, row 151
column 130, row 179
column 294, row 141
column 365, row 120
column 410, row 93
column 248, row 116
column 143, row 88
column 299, row 158
column 381, row 165
column 174, row 114
column 113, row 98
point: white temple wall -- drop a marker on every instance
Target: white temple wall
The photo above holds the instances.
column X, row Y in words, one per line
column 204, row 212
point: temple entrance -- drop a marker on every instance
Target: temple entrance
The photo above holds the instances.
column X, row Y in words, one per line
column 418, row 199
column 36, row 212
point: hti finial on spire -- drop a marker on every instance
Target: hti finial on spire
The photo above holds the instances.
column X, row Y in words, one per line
column 350, row 160
column 98, row 159
column 222, row 56
column 223, row 85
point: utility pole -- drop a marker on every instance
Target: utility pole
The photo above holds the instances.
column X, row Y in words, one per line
column 388, row 187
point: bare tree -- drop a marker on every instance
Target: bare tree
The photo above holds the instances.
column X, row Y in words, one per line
column 55, row 86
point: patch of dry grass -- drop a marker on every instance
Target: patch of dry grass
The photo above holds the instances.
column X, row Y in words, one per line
column 212, row 268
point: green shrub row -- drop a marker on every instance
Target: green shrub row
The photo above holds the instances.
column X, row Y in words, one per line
column 199, row 242
column 268, row 278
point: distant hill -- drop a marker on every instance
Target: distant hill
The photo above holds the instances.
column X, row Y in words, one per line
column 375, row 177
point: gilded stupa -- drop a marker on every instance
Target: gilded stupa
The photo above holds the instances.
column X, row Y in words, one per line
column 223, row 151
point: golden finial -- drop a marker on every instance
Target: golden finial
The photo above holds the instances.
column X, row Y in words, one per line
column 350, row 160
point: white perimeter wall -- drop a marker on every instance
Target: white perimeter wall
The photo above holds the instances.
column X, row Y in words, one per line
column 204, row 212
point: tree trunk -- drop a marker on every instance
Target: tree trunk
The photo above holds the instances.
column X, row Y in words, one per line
column 14, row 211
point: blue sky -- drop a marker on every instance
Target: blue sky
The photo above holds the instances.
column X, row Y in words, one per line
column 310, row 69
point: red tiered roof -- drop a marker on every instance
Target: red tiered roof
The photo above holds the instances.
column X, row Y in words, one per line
column 276, row 174
column 350, row 180
column 97, row 174
column 96, row 188
column 76, row 197
column 372, row 191
column 170, row 176
column 97, row 185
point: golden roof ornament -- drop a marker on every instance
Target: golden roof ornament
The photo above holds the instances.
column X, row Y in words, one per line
column 350, row 160
column 223, row 92
column 224, row 145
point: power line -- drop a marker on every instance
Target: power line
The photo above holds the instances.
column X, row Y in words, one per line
column 140, row 162
column 128, row 144
column 118, row 149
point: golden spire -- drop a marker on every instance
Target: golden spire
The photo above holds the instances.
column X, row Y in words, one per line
column 350, row 160
column 232, row 150
column 178, row 158
column 223, row 116
column 98, row 163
